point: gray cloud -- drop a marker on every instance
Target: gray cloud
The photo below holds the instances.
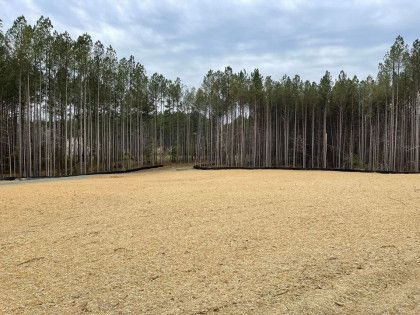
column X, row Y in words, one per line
column 187, row 38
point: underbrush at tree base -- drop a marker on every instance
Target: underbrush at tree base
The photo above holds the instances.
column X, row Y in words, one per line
column 214, row 167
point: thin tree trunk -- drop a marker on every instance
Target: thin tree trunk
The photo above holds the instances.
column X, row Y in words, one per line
column 324, row 132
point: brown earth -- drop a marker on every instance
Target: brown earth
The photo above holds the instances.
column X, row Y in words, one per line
column 194, row 242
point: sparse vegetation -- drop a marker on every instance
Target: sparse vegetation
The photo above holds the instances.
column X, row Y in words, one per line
column 177, row 240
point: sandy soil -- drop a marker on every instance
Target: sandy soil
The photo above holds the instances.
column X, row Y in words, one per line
column 196, row 242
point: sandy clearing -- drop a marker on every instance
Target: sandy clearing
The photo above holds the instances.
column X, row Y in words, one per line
column 196, row 242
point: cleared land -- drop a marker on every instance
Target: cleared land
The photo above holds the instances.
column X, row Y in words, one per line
column 196, row 242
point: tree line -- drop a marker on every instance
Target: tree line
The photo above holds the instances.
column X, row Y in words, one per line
column 70, row 106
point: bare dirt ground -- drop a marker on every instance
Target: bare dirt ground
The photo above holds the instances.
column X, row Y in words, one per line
column 195, row 242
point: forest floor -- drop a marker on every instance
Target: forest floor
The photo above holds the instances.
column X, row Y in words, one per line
column 177, row 240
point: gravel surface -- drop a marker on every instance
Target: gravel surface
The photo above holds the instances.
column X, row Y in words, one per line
column 176, row 240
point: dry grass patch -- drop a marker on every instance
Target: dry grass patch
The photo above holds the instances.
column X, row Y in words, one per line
column 186, row 241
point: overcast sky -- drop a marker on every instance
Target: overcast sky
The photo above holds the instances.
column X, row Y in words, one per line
column 187, row 38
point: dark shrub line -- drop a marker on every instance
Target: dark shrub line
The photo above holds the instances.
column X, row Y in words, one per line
column 213, row 167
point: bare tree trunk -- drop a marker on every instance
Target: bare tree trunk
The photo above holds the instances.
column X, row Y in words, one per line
column 9, row 145
column 294, row 138
column 254, row 158
column 19, row 125
column 98, row 156
column 28, row 108
column 417, row 132
column 324, row 132
column 85, row 159
column 267, row 136
column 313, row 138
column 340, row 135
column 304, row 137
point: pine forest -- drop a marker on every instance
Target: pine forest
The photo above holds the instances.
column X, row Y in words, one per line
column 70, row 106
